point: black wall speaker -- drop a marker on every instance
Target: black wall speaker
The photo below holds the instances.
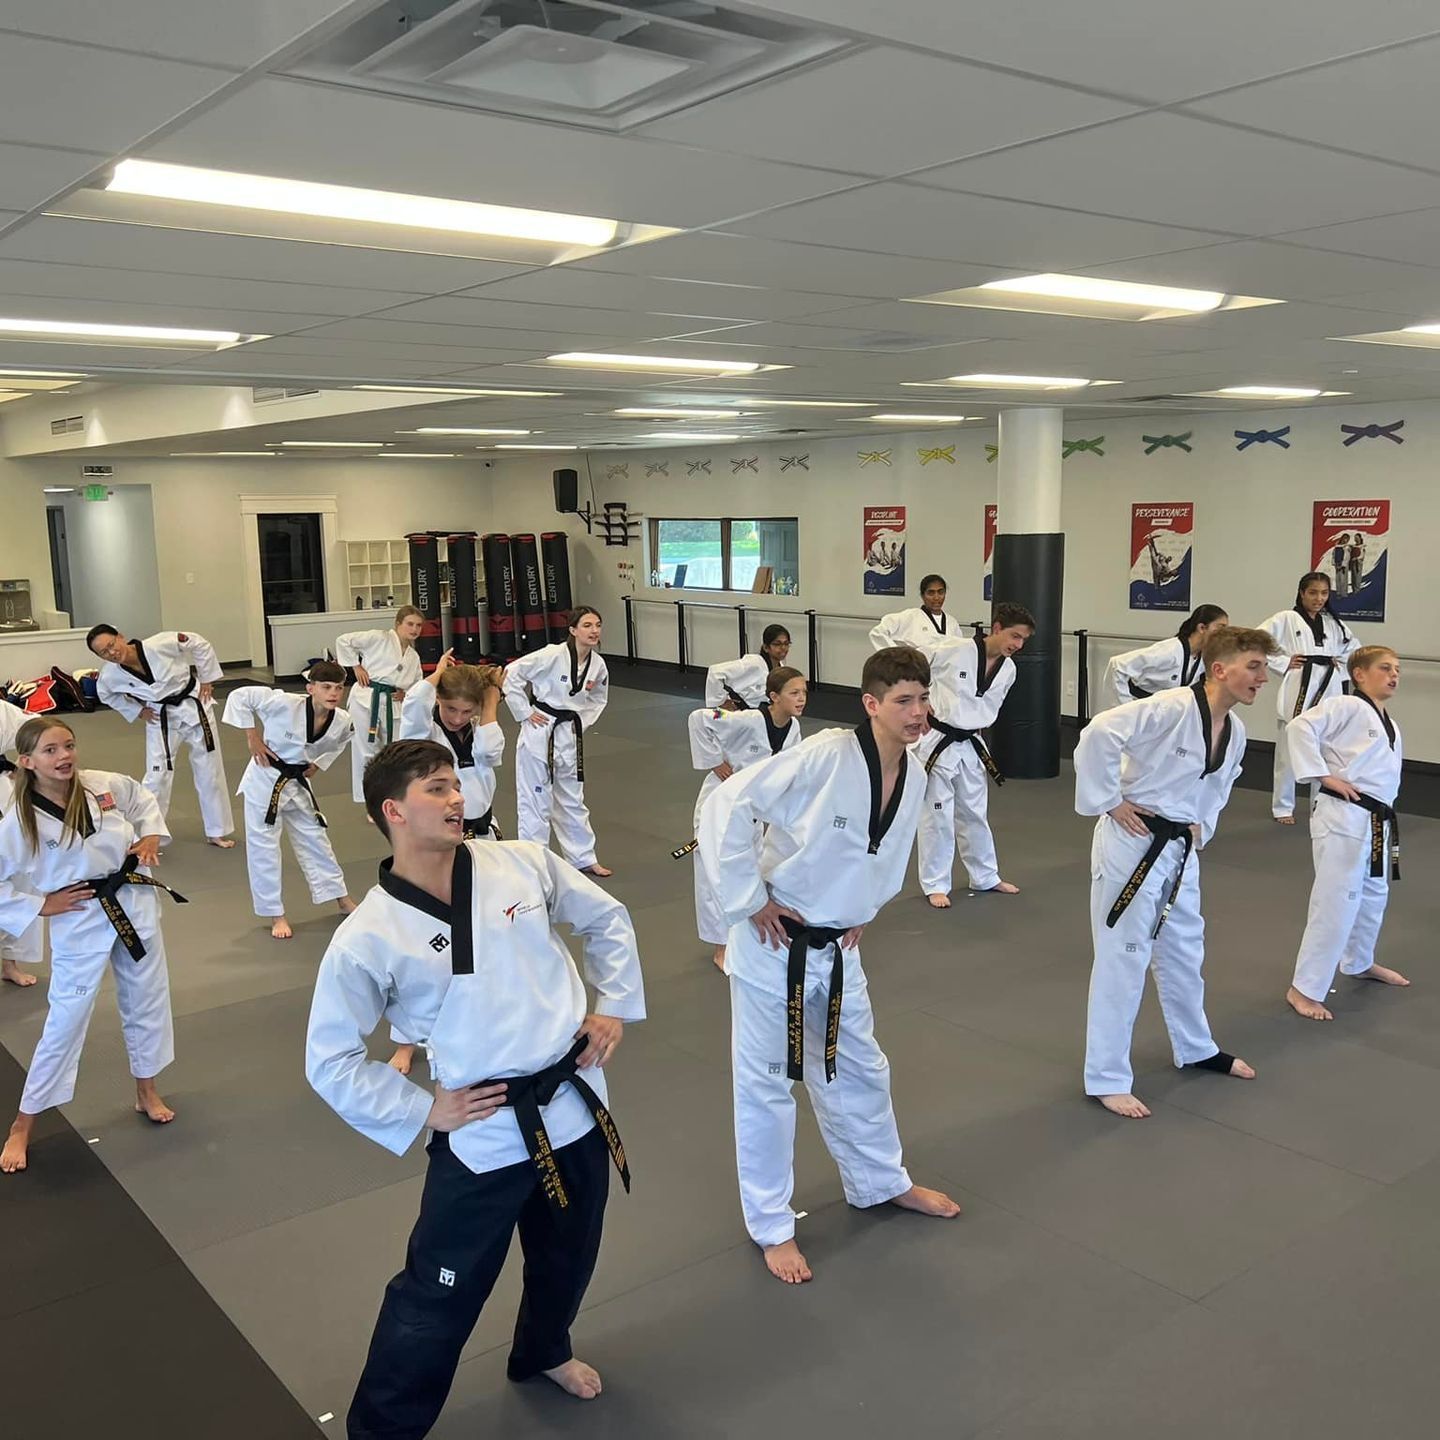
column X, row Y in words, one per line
column 567, row 491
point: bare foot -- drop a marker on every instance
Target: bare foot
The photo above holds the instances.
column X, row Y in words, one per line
column 345, row 905
column 718, row 956
column 785, row 1262
column 939, row 902
column 1304, row 1005
column 13, row 1156
column 1384, row 976
column 1004, row 888
column 1127, row 1105
column 576, row 1378
column 281, row 930
column 1284, row 819
column 14, row 975
column 149, row 1104
column 221, row 842
column 599, row 871
column 403, row 1059
column 1241, row 1071
column 927, row 1202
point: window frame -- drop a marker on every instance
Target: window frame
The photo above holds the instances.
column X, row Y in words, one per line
column 726, row 586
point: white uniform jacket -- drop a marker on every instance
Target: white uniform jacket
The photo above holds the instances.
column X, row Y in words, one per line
column 916, row 626
column 961, row 692
column 556, row 678
column 477, row 749
column 1347, row 736
column 1156, row 753
column 738, row 738
column 292, row 731
column 1165, row 665
column 744, row 678
column 165, row 665
column 1294, row 634
column 398, row 957
column 120, row 811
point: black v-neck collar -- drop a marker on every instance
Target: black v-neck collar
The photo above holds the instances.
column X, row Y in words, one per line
column 1212, row 761
column 577, row 679
column 938, row 621
column 57, row 812
column 144, row 673
column 1189, row 664
column 311, row 733
column 1317, row 625
column 984, row 675
column 880, row 823
column 775, row 734
column 458, row 914
column 413, row 895
column 461, row 741
column 1385, row 719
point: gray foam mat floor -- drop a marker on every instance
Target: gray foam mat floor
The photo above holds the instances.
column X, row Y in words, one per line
column 1201, row 1273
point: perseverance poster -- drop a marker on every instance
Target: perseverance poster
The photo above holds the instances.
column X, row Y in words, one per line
column 1350, row 542
column 1160, row 541
column 884, row 550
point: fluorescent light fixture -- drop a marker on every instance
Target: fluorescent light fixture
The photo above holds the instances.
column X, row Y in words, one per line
column 1110, row 292
column 812, row 404
column 344, row 202
column 24, row 373
column 1268, row 392
column 207, row 454
column 652, row 362
column 330, row 444
column 696, row 437
column 529, row 447
column 58, row 489
column 927, row 419
column 1404, row 330
column 418, row 455
column 461, row 430
column 663, row 413
column 456, row 390
column 1018, row 382
column 72, row 330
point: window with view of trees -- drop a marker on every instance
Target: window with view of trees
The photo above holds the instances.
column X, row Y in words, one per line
column 726, row 554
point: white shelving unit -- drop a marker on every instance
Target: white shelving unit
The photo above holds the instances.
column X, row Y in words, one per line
column 379, row 573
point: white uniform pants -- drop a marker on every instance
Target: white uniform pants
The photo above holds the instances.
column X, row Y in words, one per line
column 142, row 992
column 27, row 948
column 207, row 767
column 362, row 748
column 1122, row 955
column 1282, row 798
column 539, row 804
column 1347, row 906
column 311, row 844
column 854, row 1112
column 956, row 809
column 710, row 922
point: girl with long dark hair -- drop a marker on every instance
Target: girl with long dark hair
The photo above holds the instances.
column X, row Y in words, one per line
column 1167, row 664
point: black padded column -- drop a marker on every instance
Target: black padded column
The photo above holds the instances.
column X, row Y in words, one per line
column 1030, row 571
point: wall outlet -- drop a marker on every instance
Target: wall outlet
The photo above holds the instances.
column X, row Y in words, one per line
column 1069, row 689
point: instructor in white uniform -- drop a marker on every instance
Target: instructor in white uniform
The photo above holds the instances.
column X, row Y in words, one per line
column 458, row 943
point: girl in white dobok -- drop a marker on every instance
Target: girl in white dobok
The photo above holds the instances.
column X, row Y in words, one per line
column 1168, row 664
column 386, row 666
column 740, row 684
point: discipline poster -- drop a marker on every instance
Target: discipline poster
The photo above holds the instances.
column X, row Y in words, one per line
column 884, row 550
column 1160, row 550
column 1350, row 542
column 991, row 511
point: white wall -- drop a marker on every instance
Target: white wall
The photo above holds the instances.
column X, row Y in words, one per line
column 114, row 569
column 1252, row 528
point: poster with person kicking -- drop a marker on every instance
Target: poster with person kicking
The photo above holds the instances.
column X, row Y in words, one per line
column 1160, row 547
column 1350, row 542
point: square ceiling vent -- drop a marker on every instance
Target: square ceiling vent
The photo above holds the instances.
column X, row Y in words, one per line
column 607, row 64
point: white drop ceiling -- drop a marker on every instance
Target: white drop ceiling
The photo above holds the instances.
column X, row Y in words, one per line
column 1253, row 149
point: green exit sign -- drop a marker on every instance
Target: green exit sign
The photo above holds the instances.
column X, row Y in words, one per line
column 97, row 492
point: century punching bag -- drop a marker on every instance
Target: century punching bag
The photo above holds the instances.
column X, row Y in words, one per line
column 425, row 596
column 529, row 592
column 464, row 600
column 555, row 570
column 499, row 597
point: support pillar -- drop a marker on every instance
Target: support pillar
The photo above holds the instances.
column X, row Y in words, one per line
column 1029, row 569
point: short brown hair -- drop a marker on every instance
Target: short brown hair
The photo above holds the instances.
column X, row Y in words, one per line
column 325, row 672
column 406, row 611
column 1366, row 656
column 1008, row 613
column 780, row 677
column 1228, row 641
column 463, row 682
column 394, row 769
column 894, row 666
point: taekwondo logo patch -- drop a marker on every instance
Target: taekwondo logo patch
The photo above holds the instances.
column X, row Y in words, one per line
column 939, row 804
column 1131, row 948
column 964, row 674
column 840, row 822
column 1181, row 751
column 447, row 1278
column 439, row 943
column 777, row 1067
column 52, row 844
column 1374, row 734
column 519, row 908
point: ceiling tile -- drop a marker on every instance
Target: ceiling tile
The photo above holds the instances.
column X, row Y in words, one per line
column 466, row 311
column 1412, row 236
column 29, row 176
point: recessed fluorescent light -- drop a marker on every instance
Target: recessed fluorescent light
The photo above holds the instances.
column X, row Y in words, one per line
column 124, row 334
column 418, row 455
column 529, row 447
column 1268, row 392
column 927, row 419
column 1110, row 292
column 456, row 390
column 652, row 362
column 27, row 374
column 663, row 413
column 207, row 454
column 330, row 444
column 343, row 202
column 461, row 430
column 697, row 437
column 1019, row 382
column 58, row 489
column 812, row 404
column 1405, row 330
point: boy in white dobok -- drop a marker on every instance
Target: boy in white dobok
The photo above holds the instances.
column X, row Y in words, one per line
column 291, row 738
column 168, row 681
column 842, row 808
column 1158, row 772
column 969, row 680
column 1349, row 745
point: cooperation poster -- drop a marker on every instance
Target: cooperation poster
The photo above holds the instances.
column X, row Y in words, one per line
column 884, row 550
column 991, row 511
column 1350, row 542
column 1160, row 547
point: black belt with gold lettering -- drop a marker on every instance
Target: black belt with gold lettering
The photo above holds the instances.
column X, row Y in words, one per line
column 527, row 1093
column 563, row 717
column 1164, row 832
column 1381, row 815
column 1313, row 663
column 179, row 698
column 292, row 770
column 804, row 938
column 736, row 699
column 483, row 827
column 953, row 733
column 107, row 892
column 1138, row 692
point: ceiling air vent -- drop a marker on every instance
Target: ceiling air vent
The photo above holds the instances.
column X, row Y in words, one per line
column 607, row 64
column 71, row 425
column 268, row 394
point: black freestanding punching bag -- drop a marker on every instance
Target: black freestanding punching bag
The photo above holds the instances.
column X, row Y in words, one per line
column 1030, row 571
column 425, row 596
column 464, row 601
column 499, row 597
column 529, row 592
column 555, row 569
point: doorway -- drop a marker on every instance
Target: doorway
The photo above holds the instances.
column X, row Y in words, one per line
column 60, row 559
column 292, row 568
